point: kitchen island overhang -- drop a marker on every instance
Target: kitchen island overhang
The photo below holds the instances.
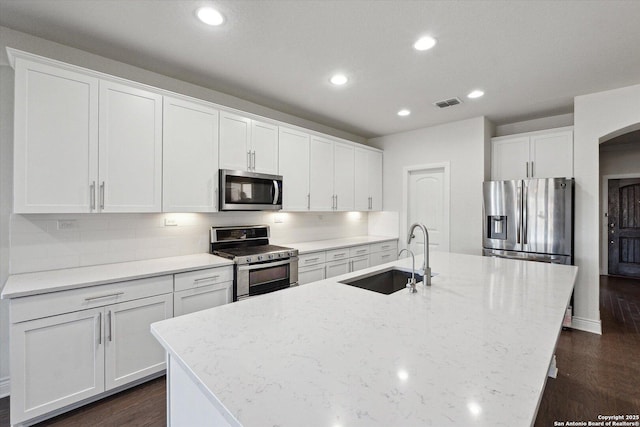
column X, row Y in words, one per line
column 472, row 349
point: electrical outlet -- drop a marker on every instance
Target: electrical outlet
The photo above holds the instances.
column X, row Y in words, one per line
column 278, row 219
column 170, row 222
column 67, row 224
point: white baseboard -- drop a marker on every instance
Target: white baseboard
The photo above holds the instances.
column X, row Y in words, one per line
column 587, row 325
column 4, row 387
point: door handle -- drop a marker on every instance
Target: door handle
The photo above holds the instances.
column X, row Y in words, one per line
column 525, row 218
column 308, row 201
column 110, row 326
column 527, row 168
column 100, row 328
column 92, row 196
column 532, row 169
column 249, row 160
column 276, row 192
column 253, row 164
column 102, row 195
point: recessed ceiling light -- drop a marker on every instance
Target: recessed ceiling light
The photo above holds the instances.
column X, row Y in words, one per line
column 338, row 79
column 424, row 43
column 210, row 16
column 475, row 94
column 404, row 112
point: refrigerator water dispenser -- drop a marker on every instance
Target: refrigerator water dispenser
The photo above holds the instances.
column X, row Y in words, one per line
column 497, row 227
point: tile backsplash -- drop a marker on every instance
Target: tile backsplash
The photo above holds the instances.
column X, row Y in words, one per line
column 53, row 241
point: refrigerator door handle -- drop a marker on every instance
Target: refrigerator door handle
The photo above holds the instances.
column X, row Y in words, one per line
column 525, row 212
column 519, row 214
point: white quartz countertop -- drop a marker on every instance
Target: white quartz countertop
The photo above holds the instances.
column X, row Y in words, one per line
column 325, row 245
column 471, row 350
column 21, row 285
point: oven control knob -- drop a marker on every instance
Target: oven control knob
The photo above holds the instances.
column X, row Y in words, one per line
column 281, row 254
column 248, row 259
column 259, row 257
column 291, row 253
column 270, row 256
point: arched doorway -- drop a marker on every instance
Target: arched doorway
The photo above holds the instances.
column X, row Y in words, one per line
column 620, row 202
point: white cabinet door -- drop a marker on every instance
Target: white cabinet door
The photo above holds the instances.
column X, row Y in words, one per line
column 310, row 274
column 336, row 268
column 293, row 163
column 552, row 155
column 190, row 156
column 375, row 180
column 343, row 176
column 56, row 139
column 321, row 174
column 510, row 158
column 55, row 361
column 361, row 177
column 201, row 298
column 131, row 351
column 264, row 146
column 235, row 141
column 130, row 149
column 359, row 263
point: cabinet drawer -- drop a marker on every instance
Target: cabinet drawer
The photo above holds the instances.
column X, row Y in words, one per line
column 311, row 273
column 195, row 279
column 383, row 246
column 382, row 257
column 337, row 268
column 337, row 254
column 358, row 251
column 49, row 304
column 311, row 259
column 202, row 298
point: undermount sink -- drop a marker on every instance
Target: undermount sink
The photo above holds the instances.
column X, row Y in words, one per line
column 385, row 282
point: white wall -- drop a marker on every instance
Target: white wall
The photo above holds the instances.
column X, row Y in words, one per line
column 464, row 145
column 535, row 124
column 596, row 116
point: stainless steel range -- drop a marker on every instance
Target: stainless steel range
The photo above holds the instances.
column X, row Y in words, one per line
column 259, row 266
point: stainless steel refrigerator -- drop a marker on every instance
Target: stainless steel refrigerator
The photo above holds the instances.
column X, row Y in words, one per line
column 529, row 219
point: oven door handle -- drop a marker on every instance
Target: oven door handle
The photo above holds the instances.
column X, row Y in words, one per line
column 276, row 192
column 250, row 267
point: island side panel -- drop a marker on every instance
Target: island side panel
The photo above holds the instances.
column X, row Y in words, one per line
column 186, row 403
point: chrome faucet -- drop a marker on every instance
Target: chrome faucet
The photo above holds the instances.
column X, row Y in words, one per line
column 425, row 266
column 411, row 283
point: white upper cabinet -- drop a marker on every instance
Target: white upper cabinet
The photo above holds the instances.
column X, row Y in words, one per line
column 543, row 154
column 130, row 149
column 321, row 174
column 247, row 144
column 190, row 156
column 293, row 160
column 368, row 179
column 343, row 176
column 264, row 143
column 56, row 139
column 84, row 144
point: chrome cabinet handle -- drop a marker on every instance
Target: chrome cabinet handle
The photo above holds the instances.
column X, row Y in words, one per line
column 308, row 201
column 92, row 196
column 249, row 160
column 339, row 255
column 253, row 164
column 206, row 278
column 110, row 326
column 104, row 296
column 532, row 169
column 311, row 259
column 100, row 328
column 525, row 213
column 102, row 195
column 527, row 168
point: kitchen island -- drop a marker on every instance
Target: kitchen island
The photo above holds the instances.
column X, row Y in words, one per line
column 472, row 349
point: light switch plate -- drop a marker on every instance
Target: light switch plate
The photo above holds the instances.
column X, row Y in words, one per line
column 170, row 222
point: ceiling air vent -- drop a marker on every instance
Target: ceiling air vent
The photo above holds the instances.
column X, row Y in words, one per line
column 447, row 102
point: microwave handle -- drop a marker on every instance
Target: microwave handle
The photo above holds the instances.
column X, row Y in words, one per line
column 276, row 192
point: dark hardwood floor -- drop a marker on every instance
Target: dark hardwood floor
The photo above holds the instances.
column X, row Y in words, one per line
column 597, row 375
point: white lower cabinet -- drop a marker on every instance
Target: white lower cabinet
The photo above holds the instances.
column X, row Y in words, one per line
column 196, row 299
column 131, row 352
column 326, row 264
column 55, row 361
column 65, row 358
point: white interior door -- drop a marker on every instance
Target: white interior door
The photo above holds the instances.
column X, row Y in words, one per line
column 427, row 202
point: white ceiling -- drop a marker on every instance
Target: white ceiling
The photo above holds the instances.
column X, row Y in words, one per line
column 530, row 57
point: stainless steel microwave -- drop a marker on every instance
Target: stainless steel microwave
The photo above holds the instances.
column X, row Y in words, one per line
column 249, row 191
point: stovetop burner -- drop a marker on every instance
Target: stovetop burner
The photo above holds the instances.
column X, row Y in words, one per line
column 247, row 245
column 249, row 250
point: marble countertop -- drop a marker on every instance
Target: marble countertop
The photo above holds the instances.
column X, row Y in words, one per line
column 471, row 350
column 326, row 245
column 21, row 285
